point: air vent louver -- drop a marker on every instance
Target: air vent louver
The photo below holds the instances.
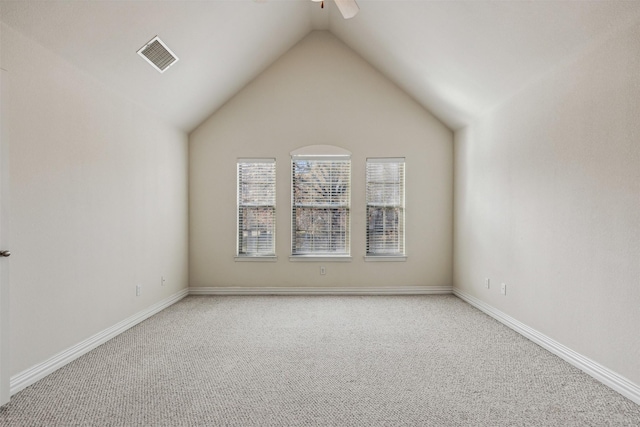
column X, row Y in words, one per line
column 156, row 53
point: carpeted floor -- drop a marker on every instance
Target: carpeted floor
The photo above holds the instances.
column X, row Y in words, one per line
column 319, row 361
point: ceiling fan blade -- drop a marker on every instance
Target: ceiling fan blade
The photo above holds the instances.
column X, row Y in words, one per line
column 348, row 8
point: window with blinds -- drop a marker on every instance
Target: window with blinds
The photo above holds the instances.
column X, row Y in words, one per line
column 320, row 205
column 256, row 207
column 385, row 207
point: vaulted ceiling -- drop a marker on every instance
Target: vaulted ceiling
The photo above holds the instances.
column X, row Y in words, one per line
column 456, row 58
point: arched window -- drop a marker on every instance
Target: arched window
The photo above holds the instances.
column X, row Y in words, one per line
column 320, row 201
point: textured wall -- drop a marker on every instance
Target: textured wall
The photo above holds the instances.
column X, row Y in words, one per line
column 320, row 92
column 547, row 200
column 98, row 204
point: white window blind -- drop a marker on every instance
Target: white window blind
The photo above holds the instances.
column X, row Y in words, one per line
column 320, row 205
column 256, row 207
column 385, row 206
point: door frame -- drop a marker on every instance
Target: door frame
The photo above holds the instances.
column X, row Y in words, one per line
column 5, row 387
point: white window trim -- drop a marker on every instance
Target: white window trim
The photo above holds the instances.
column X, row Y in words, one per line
column 320, row 258
column 401, row 257
column 385, row 258
column 253, row 257
column 319, row 152
column 256, row 258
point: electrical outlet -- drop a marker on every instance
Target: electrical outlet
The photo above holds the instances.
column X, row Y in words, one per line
column 323, row 270
column 162, row 281
column 138, row 290
column 487, row 283
column 503, row 289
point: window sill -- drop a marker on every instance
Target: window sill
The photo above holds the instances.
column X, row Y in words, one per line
column 256, row 258
column 320, row 258
column 385, row 258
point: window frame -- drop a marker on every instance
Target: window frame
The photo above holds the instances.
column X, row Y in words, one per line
column 327, row 154
column 255, row 256
column 401, row 255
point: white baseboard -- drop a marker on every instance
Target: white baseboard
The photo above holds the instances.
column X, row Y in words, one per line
column 388, row 290
column 606, row 376
column 618, row 383
column 41, row 370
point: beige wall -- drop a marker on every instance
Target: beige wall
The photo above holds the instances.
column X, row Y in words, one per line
column 547, row 200
column 320, row 92
column 98, row 204
column 5, row 372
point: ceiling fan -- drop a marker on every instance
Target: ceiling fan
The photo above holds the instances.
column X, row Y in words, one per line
column 348, row 8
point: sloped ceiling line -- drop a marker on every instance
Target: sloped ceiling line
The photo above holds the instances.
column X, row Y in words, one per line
column 457, row 59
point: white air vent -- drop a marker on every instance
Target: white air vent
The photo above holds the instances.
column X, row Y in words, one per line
column 158, row 54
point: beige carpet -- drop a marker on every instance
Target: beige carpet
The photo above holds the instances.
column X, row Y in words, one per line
column 319, row 361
